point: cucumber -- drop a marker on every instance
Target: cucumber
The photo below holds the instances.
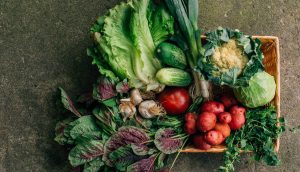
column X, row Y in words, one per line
column 173, row 77
column 171, row 55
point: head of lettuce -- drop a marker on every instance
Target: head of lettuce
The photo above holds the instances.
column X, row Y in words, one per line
column 125, row 41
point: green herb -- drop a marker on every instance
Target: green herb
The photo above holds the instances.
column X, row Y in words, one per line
column 258, row 135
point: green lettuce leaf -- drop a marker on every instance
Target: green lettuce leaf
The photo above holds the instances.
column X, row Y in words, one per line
column 161, row 23
column 115, row 44
column 103, row 67
column 145, row 65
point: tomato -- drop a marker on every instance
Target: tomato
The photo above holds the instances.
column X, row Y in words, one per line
column 175, row 100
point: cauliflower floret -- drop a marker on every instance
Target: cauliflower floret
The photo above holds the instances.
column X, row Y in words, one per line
column 229, row 55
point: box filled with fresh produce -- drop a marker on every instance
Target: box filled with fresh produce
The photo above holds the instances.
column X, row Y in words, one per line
column 164, row 89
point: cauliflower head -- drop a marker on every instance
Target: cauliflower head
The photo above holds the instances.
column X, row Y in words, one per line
column 228, row 56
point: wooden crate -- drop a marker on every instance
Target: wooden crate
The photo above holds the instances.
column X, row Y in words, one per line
column 270, row 49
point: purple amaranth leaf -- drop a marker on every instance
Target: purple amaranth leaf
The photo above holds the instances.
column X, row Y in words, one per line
column 122, row 157
column 86, row 152
column 139, row 149
column 68, row 103
column 105, row 89
column 123, row 87
column 124, row 136
column 144, row 165
column 166, row 142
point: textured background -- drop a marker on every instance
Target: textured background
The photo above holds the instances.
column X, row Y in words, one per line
column 42, row 47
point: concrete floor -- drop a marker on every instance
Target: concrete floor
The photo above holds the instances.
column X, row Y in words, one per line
column 42, row 47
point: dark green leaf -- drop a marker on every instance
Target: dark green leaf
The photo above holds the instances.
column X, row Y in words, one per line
column 194, row 107
column 68, row 103
column 62, row 132
column 84, row 126
column 94, row 165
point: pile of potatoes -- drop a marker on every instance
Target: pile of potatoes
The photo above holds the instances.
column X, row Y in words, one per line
column 215, row 122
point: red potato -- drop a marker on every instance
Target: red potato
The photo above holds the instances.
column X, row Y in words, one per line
column 223, row 128
column 228, row 101
column 200, row 143
column 238, row 117
column 213, row 107
column 214, row 137
column 224, row 117
column 206, row 121
column 190, row 117
column 190, row 123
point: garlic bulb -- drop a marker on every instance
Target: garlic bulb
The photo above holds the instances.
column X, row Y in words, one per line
column 127, row 108
column 135, row 97
column 150, row 109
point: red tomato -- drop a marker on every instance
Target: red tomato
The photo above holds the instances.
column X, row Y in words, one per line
column 175, row 100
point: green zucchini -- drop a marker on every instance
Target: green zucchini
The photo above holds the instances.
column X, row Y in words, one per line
column 171, row 55
column 173, row 77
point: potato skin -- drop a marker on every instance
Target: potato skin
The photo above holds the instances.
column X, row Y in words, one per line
column 206, row 121
column 213, row 107
column 223, row 128
column 238, row 117
column 200, row 143
column 190, row 123
column 228, row 100
column 225, row 117
column 214, row 137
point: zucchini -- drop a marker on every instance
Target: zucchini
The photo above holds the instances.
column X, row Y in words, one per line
column 173, row 77
column 171, row 55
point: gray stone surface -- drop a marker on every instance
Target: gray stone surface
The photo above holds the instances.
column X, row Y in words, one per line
column 42, row 47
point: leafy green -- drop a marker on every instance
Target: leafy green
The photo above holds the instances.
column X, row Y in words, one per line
column 260, row 91
column 72, row 131
column 103, row 67
column 259, row 134
column 166, row 140
column 125, row 41
column 123, row 157
column 194, row 107
column 94, row 165
column 62, row 132
column 125, row 136
column 235, row 76
column 144, row 165
column 68, row 103
column 104, row 89
column 145, row 65
column 85, row 127
column 161, row 23
column 114, row 42
column 86, row 152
